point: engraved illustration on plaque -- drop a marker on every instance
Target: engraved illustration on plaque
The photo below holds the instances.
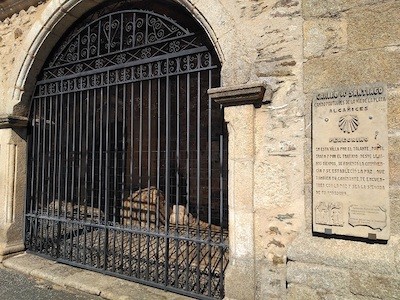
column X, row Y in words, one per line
column 329, row 213
column 370, row 216
column 348, row 123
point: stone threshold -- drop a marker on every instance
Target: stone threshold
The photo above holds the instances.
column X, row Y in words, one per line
column 105, row 286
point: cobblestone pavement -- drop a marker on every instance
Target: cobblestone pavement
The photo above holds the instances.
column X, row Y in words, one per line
column 17, row 286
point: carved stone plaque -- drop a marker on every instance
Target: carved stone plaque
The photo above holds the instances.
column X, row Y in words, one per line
column 350, row 162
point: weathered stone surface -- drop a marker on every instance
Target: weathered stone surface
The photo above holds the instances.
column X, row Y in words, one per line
column 239, row 284
column 394, row 110
column 27, row 263
column 374, row 258
column 346, row 297
column 324, row 36
column 374, row 26
column 301, row 292
column 394, row 159
column 361, row 67
column 394, row 194
column 367, row 284
column 271, row 280
column 319, row 277
column 54, row 272
column 317, row 8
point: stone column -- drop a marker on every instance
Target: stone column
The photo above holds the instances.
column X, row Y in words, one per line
column 12, row 184
column 240, row 103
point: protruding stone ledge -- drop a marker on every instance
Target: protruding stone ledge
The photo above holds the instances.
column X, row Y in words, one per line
column 12, row 121
column 254, row 93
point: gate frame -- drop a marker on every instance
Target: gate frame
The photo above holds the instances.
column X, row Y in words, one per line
column 58, row 16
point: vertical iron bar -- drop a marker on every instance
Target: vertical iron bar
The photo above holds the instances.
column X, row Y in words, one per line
column 115, row 168
column 131, row 171
column 86, row 186
column 101, row 182
column 140, row 173
column 198, row 165
column 42, row 188
column 167, row 175
column 54, row 184
column 48, row 176
column 209, row 187
column 93, row 175
column 66, row 172
column 73, row 171
column 60, row 143
column 123, row 167
column 38, row 126
column 177, row 182
column 148, row 178
column 107, row 175
column 187, row 171
column 221, row 187
column 79, row 187
column 158, row 214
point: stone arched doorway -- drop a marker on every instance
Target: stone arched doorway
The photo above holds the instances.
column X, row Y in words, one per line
column 128, row 154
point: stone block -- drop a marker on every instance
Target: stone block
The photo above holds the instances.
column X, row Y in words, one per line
column 394, row 194
column 242, row 246
column 394, row 160
column 243, row 185
column 374, row 26
column 54, row 272
column 354, row 68
column 393, row 110
column 319, row 277
column 324, row 36
column 241, row 128
column 372, row 285
column 301, row 292
column 270, row 182
column 239, row 280
column 318, row 8
column 270, row 280
column 376, row 258
column 26, row 263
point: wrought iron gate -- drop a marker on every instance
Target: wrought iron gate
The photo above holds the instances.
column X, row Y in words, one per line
column 128, row 155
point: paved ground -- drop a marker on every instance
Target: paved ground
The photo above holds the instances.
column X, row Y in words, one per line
column 28, row 276
column 17, row 286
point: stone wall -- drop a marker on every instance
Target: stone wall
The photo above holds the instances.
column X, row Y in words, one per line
column 349, row 43
column 13, row 32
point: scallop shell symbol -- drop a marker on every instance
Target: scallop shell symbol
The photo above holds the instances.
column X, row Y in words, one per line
column 348, row 123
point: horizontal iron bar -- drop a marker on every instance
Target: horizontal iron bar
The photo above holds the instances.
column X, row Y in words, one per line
column 127, row 65
column 175, row 236
column 126, row 81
